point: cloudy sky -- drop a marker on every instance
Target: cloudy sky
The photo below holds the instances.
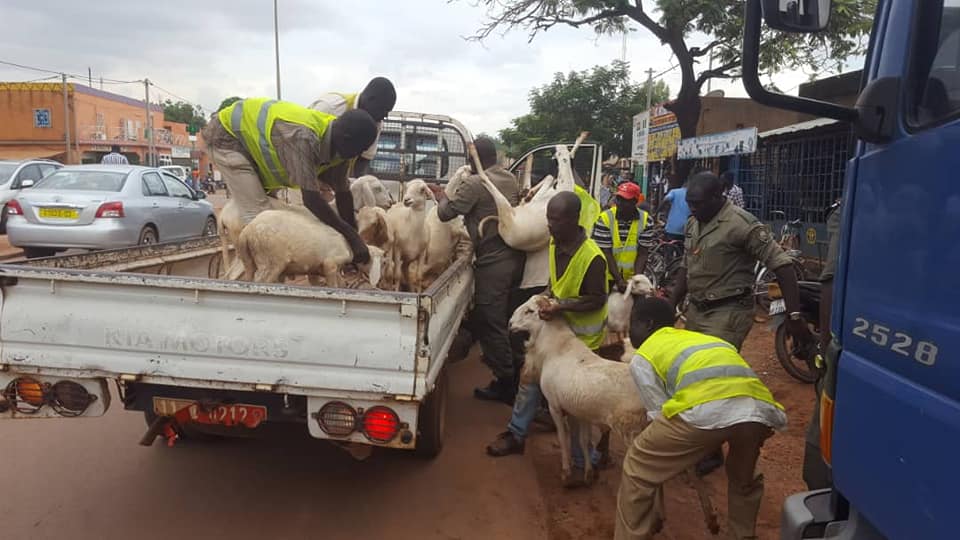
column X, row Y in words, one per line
column 206, row 50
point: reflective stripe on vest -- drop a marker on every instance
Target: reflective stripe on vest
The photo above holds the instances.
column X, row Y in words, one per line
column 587, row 326
column 624, row 252
column 696, row 368
column 251, row 122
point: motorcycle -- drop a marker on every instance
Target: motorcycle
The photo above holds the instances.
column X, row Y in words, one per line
column 800, row 364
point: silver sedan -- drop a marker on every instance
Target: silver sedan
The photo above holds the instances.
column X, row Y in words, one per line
column 106, row 206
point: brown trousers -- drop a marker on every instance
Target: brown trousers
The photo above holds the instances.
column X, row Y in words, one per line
column 730, row 323
column 668, row 447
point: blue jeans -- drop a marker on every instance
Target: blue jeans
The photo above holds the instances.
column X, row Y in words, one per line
column 525, row 410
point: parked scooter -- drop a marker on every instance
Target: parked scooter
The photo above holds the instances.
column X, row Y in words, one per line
column 800, row 364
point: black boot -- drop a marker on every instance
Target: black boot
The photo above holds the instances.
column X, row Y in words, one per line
column 498, row 390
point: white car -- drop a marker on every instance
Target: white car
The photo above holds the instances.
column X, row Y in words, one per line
column 179, row 171
column 17, row 175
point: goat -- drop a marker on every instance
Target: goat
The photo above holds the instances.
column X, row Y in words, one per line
column 525, row 227
column 585, row 388
column 280, row 243
column 406, row 222
column 368, row 191
column 619, row 304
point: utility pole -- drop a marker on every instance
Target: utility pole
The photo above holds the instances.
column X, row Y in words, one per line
column 66, row 115
column 149, row 124
column 90, row 77
column 623, row 47
column 710, row 80
column 276, row 43
column 649, row 87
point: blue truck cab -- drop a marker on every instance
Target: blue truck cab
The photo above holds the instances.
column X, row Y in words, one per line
column 890, row 409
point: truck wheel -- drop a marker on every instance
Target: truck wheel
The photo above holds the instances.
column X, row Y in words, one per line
column 431, row 420
column 36, row 253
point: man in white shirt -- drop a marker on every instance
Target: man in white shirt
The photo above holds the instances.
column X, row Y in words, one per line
column 114, row 157
column 378, row 99
column 699, row 394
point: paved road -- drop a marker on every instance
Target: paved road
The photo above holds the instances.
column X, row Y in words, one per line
column 88, row 478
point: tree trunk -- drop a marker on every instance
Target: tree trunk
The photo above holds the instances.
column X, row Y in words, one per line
column 687, row 110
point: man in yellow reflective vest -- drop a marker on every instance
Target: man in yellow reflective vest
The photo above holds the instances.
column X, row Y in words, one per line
column 578, row 283
column 617, row 233
column 699, row 394
column 261, row 145
column 378, row 99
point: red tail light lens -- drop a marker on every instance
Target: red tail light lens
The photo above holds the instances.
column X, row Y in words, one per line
column 13, row 208
column 110, row 210
column 380, row 424
column 337, row 419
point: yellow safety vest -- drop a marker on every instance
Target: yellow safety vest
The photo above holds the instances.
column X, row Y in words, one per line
column 588, row 326
column 696, row 368
column 625, row 252
column 251, row 121
column 589, row 209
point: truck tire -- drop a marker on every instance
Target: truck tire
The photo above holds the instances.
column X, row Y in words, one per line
column 431, row 420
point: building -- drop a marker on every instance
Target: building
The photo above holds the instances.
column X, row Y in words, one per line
column 34, row 124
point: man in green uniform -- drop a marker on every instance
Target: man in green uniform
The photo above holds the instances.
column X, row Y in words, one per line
column 261, row 145
column 721, row 247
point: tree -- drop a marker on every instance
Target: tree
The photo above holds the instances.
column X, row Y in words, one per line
column 228, row 102
column 602, row 100
column 676, row 23
column 184, row 113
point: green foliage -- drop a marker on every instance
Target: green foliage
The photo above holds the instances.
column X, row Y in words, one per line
column 184, row 113
column 228, row 102
column 602, row 100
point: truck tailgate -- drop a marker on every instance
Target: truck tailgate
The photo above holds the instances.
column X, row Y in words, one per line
column 200, row 332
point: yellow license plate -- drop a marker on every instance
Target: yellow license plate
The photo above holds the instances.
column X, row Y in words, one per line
column 59, row 213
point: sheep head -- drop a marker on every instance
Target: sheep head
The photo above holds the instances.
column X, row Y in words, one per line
column 372, row 226
column 525, row 326
column 640, row 285
column 416, row 194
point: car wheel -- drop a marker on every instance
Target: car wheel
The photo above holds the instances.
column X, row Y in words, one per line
column 35, row 252
column 3, row 220
column 147, row 236
column 210, row 227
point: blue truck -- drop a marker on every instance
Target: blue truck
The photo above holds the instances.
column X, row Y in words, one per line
column 890, row 408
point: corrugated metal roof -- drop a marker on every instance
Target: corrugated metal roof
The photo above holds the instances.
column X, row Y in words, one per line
column 802, row 126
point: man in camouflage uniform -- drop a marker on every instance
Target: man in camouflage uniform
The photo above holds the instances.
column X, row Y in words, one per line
column 722, row 244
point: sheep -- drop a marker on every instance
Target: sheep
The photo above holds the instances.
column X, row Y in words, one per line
column 577, row 383
column 368, row 191
column 619, row 304
column 442, row 239
column 585, row 388
column 375, row 231
column 280, row 243
column 525, row 227
column 229, row 226
column 406, row 221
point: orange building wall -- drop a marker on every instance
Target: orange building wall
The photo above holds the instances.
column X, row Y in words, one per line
column 18, row 136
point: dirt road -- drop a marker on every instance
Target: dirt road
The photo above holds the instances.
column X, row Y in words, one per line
column 91, row 478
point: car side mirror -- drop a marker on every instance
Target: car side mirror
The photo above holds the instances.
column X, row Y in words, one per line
column 27, row 183
column 804, row 16
column 198, row 195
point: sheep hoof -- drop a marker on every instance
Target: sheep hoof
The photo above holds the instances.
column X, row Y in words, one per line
column 589, row 476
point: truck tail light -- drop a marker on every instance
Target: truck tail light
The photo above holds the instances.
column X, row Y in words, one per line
column 826, row 427
column 380, row 424
column 337, row 419
column 70, row 399
column 25, row 395
column 28, row 396
column 14, row 209
column 110, row 210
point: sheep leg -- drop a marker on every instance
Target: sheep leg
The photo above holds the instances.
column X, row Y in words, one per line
column 504, row 208
column 584, row 430
column 603, row 446
column 331, row 274
column 314, row 279
column 563, row 435
column 268, row 274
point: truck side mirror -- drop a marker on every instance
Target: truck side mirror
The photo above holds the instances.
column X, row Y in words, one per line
column 797, row 15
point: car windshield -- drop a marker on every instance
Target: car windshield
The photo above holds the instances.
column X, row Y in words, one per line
column 83, row 181
column 6, row 169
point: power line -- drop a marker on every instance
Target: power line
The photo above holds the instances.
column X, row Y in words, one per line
column 70, row 75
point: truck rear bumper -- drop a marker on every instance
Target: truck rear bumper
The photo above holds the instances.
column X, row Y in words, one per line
column 811, row 515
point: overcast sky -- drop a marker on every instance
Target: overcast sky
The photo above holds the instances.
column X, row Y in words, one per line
column 207, row 50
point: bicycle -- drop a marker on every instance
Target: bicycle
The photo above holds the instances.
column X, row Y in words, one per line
column 790, row 242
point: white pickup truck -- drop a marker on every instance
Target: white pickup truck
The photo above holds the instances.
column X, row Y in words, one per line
column 353, row 365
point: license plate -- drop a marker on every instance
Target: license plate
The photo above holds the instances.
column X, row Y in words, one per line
column 222, row 415
column 59, row 213
column 778, row 306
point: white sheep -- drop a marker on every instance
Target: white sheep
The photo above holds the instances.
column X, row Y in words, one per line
column 441, row 248
column 578, row 384
column 375, row 231
column 525, row 227
column 281, row 243
column 406, row 221
column 619, row 303
column 229, row 226
column 368, row 191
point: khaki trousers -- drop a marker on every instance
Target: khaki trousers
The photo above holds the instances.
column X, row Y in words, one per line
column 241, row 177
column 730, row 323
column 668, row 447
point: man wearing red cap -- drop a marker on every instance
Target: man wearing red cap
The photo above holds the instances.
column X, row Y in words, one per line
column 617, row 233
